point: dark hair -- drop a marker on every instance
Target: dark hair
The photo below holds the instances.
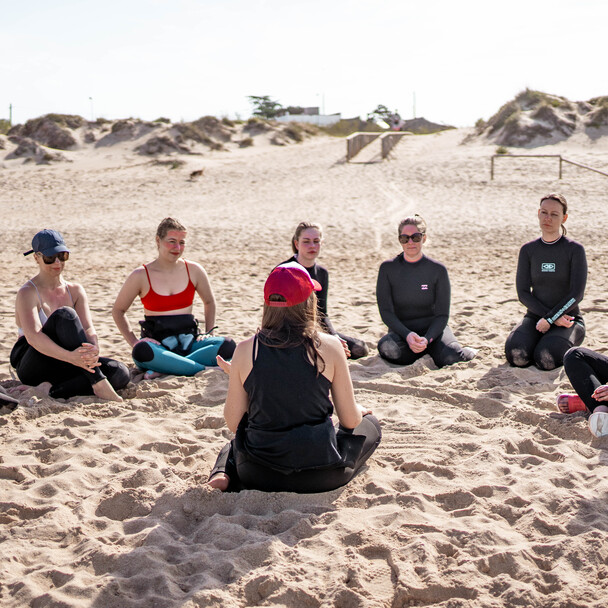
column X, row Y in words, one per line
column 289, row 326
column 412, row 220
column 299, row 229
column 558, row 198
column 169, row 224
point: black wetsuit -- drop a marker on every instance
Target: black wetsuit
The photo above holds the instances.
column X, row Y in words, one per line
column 64, row 328
column 415, row 297
column 586, row 370
column 286, row 441
column 550, row 281
column 357, row 347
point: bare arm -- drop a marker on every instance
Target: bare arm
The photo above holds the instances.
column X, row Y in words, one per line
column 348, row 412
column 127, row 294
column 237, row 400
column 203, row 288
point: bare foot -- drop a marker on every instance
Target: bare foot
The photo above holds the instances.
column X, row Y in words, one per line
column 103, row 389
column 223, row 364
column 43, row 389
column 219, row 482
column 150, row 375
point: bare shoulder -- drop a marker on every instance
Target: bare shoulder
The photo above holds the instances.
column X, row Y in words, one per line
column 330, row 345
column 76, row 289
column 244, row 349
column 195, row 268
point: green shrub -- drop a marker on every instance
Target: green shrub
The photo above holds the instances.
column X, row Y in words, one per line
column 480, row 125
column 5, row 125
column 501, row 150
column 294, row 131
column 226, row 121
column 246, row 142
column 167, row 121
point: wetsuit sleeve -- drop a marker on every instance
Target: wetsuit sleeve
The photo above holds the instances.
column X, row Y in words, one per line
column 523, row 284
column 441, row 307
column 578, row 281
column 323, row 277
column 386, row 306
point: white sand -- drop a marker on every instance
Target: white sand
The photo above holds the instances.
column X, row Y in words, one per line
column 479, row 494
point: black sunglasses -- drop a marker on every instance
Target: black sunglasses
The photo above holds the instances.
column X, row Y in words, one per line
column 63, row 256
column 416, row 237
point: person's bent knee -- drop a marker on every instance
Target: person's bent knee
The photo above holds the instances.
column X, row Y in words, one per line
column 65, row 313
column 143, row 352
column 517, row 356
column 545, row 360
column 389, row 349
column 118, row 374
column 358, row 350
column 227, row 348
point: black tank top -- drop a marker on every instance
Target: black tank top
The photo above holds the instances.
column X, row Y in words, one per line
column 289, row 423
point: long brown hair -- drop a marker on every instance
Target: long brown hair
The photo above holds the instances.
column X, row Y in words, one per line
column 290, row 326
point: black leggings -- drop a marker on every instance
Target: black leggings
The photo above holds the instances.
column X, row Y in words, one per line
column 444, row 350
column 586, row 370
column 67, row 380
column 526, row 345
column 253, row 476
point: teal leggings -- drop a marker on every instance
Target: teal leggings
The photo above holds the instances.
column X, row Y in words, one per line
column 157, row 358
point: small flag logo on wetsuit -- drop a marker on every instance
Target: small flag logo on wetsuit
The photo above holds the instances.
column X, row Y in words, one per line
column 424, row 287
column 547, row 267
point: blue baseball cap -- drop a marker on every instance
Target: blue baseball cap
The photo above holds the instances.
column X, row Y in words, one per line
column 47, row 242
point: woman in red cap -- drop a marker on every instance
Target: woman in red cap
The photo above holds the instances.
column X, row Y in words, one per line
column 278, row 401
column 57, row 341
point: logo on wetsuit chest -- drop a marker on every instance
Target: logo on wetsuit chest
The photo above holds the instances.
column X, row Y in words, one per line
column 547, row 267
column 424, row 287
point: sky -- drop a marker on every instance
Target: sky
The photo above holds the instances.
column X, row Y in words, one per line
column 449, row 61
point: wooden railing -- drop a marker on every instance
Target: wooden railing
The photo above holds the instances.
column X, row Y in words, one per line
column 389, row 140
column 357, row 141
column 561, row 161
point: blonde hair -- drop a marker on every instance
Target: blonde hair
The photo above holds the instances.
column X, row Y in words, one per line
column 299, row 229
column 169, row 224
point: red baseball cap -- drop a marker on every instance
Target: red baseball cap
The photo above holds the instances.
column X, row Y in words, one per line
column 291, row 281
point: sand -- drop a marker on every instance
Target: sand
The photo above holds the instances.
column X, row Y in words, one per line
column 480, row 494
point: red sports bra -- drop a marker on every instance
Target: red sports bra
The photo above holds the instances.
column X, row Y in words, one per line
column 156, row 302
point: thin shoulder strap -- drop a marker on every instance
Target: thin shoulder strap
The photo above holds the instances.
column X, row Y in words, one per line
column 254, row 350
column 70, row 293
column 148, row 275
column 37, row 292
column 188, row 271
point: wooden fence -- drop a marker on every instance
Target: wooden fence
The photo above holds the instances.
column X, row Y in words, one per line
column 357, row 141
column 561, row 161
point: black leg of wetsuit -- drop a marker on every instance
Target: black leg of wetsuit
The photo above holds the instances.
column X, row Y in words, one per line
column 520, row 345
column 258, row 477
column 357, row 348
column 394, row 349
column 116, row 372
column 446, row 350
column 64, row 328
column 586, row 370
column 551, row 348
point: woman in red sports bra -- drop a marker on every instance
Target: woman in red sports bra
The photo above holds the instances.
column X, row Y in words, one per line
column 170, row 341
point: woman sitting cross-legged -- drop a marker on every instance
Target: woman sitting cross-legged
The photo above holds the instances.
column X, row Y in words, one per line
column 58, row 342
column 278, row 400
column 170, row 341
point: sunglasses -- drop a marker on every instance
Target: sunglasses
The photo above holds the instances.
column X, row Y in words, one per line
column 416, row 237
column 63, row 256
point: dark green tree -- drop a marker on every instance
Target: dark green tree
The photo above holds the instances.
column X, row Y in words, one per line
column 264, row 107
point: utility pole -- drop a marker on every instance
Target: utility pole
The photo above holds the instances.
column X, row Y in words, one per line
column 10, row 114
column 92, row 114
column 414, row 98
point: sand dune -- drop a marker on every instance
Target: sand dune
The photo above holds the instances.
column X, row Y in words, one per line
column 479, row 495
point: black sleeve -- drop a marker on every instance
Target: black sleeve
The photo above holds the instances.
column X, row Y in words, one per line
column 323, row 277
column 578, row 281
column 385, row 303
column 442, row 305
column 523, row 284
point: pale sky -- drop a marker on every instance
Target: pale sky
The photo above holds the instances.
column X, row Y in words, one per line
column 183, row 59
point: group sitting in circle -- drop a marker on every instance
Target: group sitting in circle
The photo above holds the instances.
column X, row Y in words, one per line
column 58, row 345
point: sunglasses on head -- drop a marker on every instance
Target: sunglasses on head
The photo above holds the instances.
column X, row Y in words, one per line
column 416, row 237
column 62, row 256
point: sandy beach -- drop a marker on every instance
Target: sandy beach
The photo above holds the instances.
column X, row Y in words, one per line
column 480, row 493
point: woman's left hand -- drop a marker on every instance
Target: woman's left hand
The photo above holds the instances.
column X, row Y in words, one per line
column 223, row 364
column 601, row 393
column 565, row 321
column 89, row 353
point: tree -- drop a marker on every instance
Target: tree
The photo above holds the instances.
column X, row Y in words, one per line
column 264, row 107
